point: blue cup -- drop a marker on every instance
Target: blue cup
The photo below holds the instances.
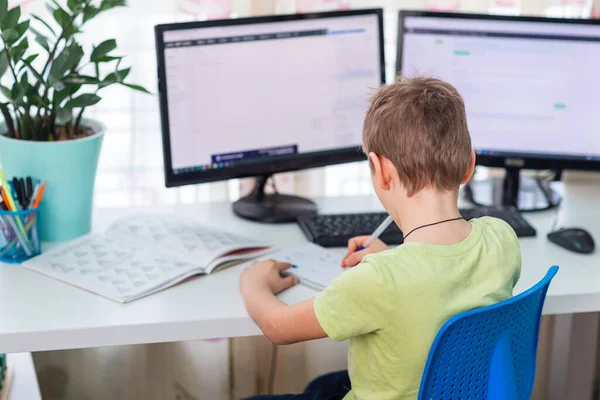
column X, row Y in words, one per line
column 19, row 235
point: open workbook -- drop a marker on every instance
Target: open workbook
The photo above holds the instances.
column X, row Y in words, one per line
column 144, row 254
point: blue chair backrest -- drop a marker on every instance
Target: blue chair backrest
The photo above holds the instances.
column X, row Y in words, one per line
column 488, row 353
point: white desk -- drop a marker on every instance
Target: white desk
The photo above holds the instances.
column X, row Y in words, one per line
column 40, row 313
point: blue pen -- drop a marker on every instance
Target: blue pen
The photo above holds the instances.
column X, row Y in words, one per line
column 382, row 227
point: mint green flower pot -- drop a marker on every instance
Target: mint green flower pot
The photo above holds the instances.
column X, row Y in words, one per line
column 69, row 169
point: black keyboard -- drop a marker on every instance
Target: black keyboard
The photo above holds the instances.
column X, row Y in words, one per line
column 334, row 230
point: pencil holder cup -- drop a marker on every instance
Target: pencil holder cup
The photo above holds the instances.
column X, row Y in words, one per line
column 19, row 238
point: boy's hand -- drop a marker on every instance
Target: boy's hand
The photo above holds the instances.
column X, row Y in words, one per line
column 267, row 273
column 353, row 257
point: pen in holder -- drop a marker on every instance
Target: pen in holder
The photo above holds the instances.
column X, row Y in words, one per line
column 19, row 239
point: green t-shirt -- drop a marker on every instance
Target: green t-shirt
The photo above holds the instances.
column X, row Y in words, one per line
column 392, row 305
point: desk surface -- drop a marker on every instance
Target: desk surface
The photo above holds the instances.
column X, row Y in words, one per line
column 39, row 313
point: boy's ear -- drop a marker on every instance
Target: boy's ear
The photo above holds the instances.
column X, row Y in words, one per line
column 382, row 170
column 470, row 169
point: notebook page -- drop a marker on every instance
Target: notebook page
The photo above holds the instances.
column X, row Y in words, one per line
column 111, row 269
column 179, row 239
column 316, row 266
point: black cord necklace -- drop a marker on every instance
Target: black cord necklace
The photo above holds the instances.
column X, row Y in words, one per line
column 435, row 223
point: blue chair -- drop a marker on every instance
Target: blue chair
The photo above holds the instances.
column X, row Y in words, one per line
column 488, row 353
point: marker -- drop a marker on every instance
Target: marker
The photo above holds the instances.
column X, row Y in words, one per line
column 19, row 189
column 382, row 227
column 29, row 188
column 23, row 190
column 5, row 203
column 39, row 195
column 33, row 196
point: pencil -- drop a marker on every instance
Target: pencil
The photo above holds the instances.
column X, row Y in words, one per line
column 382, row 227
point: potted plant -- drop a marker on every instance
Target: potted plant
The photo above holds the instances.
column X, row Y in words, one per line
column 45, row 134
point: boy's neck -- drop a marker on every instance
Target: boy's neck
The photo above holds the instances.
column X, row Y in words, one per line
column 427, row 207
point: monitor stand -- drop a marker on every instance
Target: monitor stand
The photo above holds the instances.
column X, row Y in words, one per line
column 525, row 193
column 272, row 208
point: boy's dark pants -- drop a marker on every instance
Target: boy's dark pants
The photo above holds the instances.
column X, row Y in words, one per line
column 332, row 386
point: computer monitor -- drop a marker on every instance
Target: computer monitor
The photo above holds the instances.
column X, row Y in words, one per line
column 530, row 87
column 251, row 97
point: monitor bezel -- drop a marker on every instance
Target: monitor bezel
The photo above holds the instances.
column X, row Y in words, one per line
column 271, row 165
column 515, row 160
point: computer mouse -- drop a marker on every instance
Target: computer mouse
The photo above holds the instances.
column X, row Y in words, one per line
column 573, row 239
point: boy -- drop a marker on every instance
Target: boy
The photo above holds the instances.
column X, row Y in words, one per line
column 392, row 304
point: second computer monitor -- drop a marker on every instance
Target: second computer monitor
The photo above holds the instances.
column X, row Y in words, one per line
column 530, row 85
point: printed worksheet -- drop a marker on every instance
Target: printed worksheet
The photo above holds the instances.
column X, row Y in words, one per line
column 314, row 266
column 144, row 254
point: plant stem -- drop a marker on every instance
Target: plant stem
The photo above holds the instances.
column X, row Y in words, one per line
column 55, row 48
column 17, row 134
column 12, row 69
column 52, row 126
column 51, row 57
column 78, row 120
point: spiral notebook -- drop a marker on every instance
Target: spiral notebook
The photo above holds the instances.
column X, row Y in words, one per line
column 144, row 254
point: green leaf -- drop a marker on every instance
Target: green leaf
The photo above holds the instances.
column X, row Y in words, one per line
column 59, row 97
column 3, row 63
column 84, row 100
column 75, row 5
column 115, row 77
column 19, row 50
column 41, row 39
column 81, row 79
column 103, row 49
column 37, row 101
column 25, row 82
column 136, row 88
column 27, row 62
column 6, row 92
column 30, row 59
column 11, row 19
column 17, row 93
column 106, row 59
column 9, row 35
column 3, row 8
column 22, row 28
column 108, row 4
column 44, row 23
column 16, row 33
column 61, row 17
column 73, row 88
column 66, row 61
column 89, row 13
column 64, row 115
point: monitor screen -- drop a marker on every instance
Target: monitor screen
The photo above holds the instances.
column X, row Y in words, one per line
column 530, row 85
column 262, row 95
